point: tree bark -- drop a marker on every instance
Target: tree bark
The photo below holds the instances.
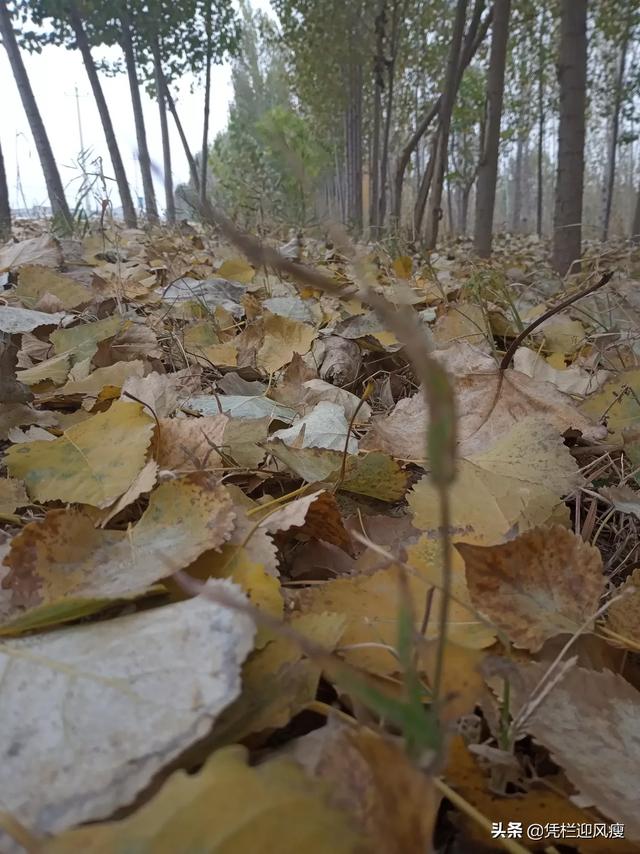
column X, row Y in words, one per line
column 572, row 78
column 378, row 88
column 204, row 157
column 126, row 43
column 128, row 208
column 516, row 216
column 434, row 201
column 5, row 206
column 391, row 68
column 193, row 169
column 488, row 168
column 164, row 133
column 354, row 148
column 615, row 131
column 55, row 190
column 540, row 163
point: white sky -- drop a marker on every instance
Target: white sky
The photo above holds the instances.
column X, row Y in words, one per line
column 54, row 74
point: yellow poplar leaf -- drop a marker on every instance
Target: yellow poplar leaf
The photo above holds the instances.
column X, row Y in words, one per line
column 113, row 376
column 64, row 557
column 462, row 322
column 55, row 369
column 463, row 684
column 619, row 407
column 236, row 269
column 403, row 266
column 93, row 462
column 515, row 485
column 190, row 443
column 561, row 334
column 545, row 582
column 34, row 281
column 228, row 807
column 12, row 495
column 283, row 338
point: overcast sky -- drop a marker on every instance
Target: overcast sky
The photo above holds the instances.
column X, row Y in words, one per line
column 54, row 75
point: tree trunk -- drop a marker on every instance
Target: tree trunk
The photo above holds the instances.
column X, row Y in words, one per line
column 451, row 84
column 128, row 208
column 204, row 157
column 475, row 35
column 164, row 133
column 572, row 78
column 193, row 169
column 354, row 148
column 141, row 135
column 391, row 68
column 540, row 163
column 615, row 130
column 516, row 215
column 55, row 190
column 5, row 207
column 425, row 185
column 635, row 226
column 378, row 84
column 488, row 168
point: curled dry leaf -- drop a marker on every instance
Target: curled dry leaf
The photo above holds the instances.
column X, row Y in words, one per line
column 270, row 807
column 151, row 684
column 546, row 582
column 93, row 462
column 338, row 359
column 590, row 723
column 572, row 380
column 61, row 566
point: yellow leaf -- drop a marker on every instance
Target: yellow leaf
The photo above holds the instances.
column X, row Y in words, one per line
column 283, row 338
column 616, row 403
column 83, row 340
column 64, row 557
column 237, row 269
column 93, row 462
column 403, row 266
column 227, row 808
column 35, row 281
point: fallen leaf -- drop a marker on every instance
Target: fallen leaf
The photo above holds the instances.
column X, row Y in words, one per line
column 572, row 380
column 616, row 403
column 324, row 427
column 270, row 807
column 63, row 560
column 14, row 320
column 546, row 582
column 590, row 723
column 19, row 414
column 237, row 269
column 35, row 281
column 623, row 616
column 44, row 250
column 93, row 462
column 187, row 444
column 162, row 392
column 150, row 683
column 82, row 340
column 12, row 495
column 623, row 498
column 283, row 338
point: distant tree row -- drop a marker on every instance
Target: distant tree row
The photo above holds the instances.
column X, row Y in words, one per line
column 391, row 116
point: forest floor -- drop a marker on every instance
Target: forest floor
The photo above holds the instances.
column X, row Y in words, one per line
column 176, row 421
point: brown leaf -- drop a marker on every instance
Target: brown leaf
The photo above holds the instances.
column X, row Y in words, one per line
column 590, row 723
column 546, row 582
column 187, row 444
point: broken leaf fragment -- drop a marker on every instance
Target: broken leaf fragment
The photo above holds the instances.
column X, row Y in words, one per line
column 150, row 683
column 93, row 462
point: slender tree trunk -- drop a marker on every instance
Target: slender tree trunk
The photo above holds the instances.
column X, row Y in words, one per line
column 193, row 169
column 204, row 157
column 572, row 78
column 141, row 134
column 391, row 68
column 425, row 184
column 475, row 35
column 128, row 208
column 354, row 148
column 615, row 131
column 55, row 190
column 540, row 163
column 164, row 133
column 378, row 84
column 488, row 167
column 635, row 226
column 434, row 202
column 5, row 207
column 516, row 215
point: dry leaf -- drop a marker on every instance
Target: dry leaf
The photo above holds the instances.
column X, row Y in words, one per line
column 623, row 616
column 188, row 444
column 93, row 462
column 12, row 495
column 572, row 380
column 14, row 320
column 616, row 403
column 44, row 250
column 150, row 684
column 546, row 582
column 590, row 723
column 324, row 427
column 36, row 281
column 63, row 559
column 283, row 338
column 273, row 807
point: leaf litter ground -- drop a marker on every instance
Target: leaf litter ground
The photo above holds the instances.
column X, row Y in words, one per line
column 165, row 407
